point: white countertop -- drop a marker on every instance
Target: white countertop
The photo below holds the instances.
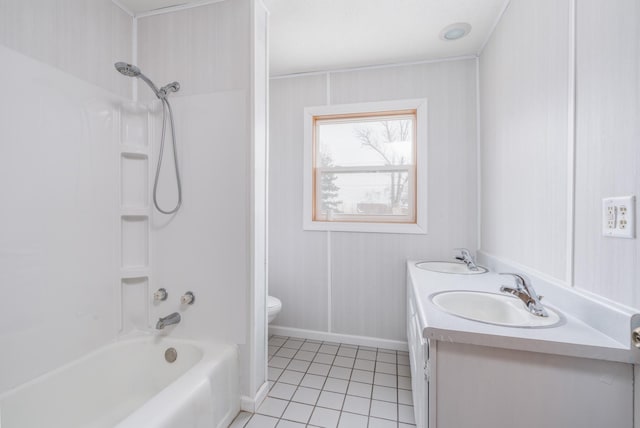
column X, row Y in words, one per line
column 572, row 337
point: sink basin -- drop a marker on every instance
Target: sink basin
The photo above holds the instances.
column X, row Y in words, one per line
column 492, row 308
column 450, row 267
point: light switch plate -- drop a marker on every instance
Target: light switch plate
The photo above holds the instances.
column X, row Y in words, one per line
column 619, row 217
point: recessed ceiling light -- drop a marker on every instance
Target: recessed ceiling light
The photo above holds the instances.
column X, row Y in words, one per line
column 455, row 31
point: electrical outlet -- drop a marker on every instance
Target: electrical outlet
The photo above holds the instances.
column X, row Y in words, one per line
column 618, row 217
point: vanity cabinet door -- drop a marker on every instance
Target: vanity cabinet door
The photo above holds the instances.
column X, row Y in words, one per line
column 418, row 357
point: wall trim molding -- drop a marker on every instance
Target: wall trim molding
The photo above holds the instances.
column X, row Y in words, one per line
column 495, row 25
column 372, row 67
column 478, row 160
column 338, row 338
column 176, row 8
column 124, row 9
column 571, row 146
column 251, row 404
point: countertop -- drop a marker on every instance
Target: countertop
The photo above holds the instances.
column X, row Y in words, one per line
column 572, row 337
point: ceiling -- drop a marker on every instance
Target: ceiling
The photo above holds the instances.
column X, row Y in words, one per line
column 318, row 35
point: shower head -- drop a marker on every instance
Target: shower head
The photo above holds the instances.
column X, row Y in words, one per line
column 128, row 69
column 133, row 71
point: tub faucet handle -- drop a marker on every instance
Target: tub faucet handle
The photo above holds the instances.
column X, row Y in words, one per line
column 160, row 295
column 187, row 298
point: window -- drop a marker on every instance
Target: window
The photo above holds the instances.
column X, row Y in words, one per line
column 365, row 167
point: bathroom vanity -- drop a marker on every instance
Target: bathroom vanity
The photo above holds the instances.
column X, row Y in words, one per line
column 479, row 374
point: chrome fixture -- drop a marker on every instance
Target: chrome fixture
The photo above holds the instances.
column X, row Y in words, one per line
column 635, row 337
column 131, row 70
column 171, row 319
column 525, row 292
column 160, row 295
column 466, row 257
column 187, row 298
column 171, row 355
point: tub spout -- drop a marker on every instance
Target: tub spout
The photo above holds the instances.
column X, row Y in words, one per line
column 171, row 319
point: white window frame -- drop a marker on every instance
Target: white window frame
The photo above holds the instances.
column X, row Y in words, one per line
column 420, row 226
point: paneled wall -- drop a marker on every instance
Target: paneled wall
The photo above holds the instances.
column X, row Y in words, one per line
column 205, row 48
column 354, row 283
column 524, row 95
column 82, row 38
column 608, row 143
column 527, row 121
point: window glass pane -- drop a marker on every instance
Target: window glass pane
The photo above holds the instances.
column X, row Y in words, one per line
column 363, row 142
column 363, row 193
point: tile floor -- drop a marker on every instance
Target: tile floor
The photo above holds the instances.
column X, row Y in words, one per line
column 322, row 384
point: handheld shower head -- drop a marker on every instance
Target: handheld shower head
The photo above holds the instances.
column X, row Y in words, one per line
column 128, row 69
column 131, row 70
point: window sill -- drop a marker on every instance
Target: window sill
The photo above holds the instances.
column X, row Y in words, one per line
column 415, row 229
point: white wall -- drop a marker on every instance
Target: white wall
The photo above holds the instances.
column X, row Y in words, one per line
column 527, row 120
column 59, row 173
column 82, row 38
column 212, row 246
column 524, row 95
column 608, row 143
column 354, row 283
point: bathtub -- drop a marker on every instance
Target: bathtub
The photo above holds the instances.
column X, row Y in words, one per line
column 130, row 384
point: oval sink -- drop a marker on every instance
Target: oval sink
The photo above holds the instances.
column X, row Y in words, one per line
column 450, row 267
column 492, row 308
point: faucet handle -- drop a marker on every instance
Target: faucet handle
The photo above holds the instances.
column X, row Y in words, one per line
column 521, row 280
column 160, row 295
column 463, row 251
column 187, row 298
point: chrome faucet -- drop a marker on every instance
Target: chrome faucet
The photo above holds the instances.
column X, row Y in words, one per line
column 466, row 257
column 171, row 319
column 525, row 292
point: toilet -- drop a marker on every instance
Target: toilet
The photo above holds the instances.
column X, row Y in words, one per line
column 274, row 305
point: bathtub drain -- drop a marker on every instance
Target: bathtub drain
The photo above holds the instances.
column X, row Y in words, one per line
column 170, row 355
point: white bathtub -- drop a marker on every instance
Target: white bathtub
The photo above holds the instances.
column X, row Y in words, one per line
column 130, row 385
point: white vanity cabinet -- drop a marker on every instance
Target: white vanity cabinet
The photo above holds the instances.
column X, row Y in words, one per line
column 418, row 358
column 464, row 379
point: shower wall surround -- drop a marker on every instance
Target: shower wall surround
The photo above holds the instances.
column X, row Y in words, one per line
column 58, row 226
column 59, row 116
column 81, row 250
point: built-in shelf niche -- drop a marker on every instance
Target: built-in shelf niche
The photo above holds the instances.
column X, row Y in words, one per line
column 134, row 217
column 134, row 125
column 134, row 192
column 135, row 242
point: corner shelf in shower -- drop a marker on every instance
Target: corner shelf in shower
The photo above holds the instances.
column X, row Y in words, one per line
column 134, row 150
column 134, row 211
column 134, row 272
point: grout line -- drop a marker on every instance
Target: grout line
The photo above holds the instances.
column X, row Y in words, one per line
column 314, row 406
